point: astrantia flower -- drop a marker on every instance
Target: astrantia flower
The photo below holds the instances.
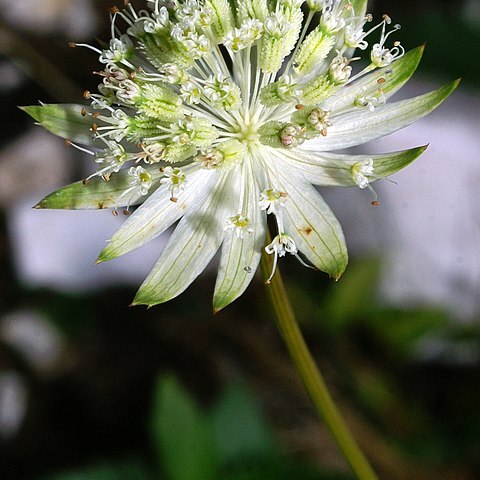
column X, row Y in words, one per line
column 217, row 114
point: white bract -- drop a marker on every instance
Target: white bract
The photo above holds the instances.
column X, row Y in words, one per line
column 217, row 116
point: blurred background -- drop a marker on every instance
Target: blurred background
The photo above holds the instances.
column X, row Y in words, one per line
column 91, row 389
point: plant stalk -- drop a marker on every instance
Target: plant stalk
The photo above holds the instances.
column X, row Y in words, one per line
column 311, row 376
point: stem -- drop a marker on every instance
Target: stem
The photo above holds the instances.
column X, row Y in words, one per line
column 311, row 376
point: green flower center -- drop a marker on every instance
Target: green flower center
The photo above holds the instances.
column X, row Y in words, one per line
column 247, row 132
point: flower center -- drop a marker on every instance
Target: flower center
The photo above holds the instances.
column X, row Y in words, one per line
column 247, row 131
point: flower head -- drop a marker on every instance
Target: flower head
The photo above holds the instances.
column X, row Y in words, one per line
column 217, row 116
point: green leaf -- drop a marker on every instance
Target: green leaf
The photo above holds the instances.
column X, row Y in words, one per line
column 407, row 327
column 64, row 120
column 241, row 429
column 354, row 295
column 240, row 256
column 360, row 127
column 97, row 193
column 335, row 169
column 183, row 437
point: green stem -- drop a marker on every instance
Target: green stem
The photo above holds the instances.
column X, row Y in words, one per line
column 311, row 376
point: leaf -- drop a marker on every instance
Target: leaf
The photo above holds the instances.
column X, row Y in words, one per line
column 183, row 437
column 360, row 127
column 354, row 295
column 241, row 429
column 64, row 120
column 97, row 193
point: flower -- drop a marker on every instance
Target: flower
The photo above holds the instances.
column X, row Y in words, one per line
column 216, row 117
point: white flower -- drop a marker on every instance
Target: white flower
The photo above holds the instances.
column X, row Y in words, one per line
column 361, row 172
column 216, row 119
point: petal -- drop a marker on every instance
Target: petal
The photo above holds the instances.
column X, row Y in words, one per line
column 240, row 256
column 65, row 120
column 362, row 126
column 312, row 225
column 190, row 248
column 156, row 215
column 395, row 76
column 96, row 193
column 334, row 170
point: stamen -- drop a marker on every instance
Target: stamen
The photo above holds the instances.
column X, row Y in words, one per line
column 73, row 45
column 78, row 147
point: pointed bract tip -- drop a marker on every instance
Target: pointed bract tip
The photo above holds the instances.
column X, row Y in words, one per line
column 101, row 258
column 136, row 303
column 339, row 276
column 148, row 302
column 220, row 303
column 104, row 256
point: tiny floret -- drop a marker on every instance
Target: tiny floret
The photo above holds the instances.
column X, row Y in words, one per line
column 239, row 224
column 175, row 180
column 272, row 200
column 362, row 171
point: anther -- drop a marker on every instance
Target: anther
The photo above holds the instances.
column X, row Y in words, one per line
column 387, row 18
column 72, row 44
column 115, row 213
column 85, row 181
column 114, row 10
column 86, row 94
column 94, row 128
column 68, row 142
column 84, row 112
column 299, row 107
column 381, row 80
column 96, row 114
column 126, row 212
column 174, row 199
column 375, row 203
